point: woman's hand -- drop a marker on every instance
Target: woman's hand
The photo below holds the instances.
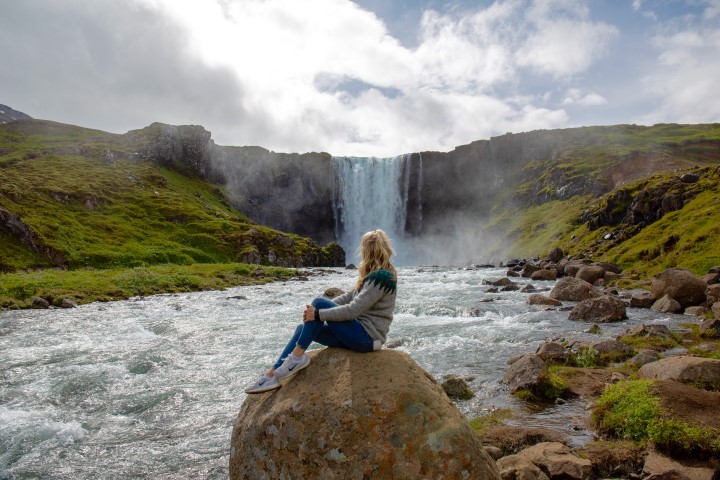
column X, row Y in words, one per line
column 309, row 313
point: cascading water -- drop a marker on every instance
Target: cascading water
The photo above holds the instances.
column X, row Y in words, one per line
column 376, row 193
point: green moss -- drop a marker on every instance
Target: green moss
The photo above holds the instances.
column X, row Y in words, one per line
column 631, row 410
column 652, row 342
column 586, row 358
column 550, row 387
column 494, row 418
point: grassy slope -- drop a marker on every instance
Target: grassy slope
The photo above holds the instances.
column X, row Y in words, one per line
column 140, row 213
column 629, row 152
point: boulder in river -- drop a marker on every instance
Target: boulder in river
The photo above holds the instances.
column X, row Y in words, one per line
column 642, row 300
column 667, row 304
column 573, row 290
column 457, row 389
column 333, row 292
column 39, row 302
column 544, row 274
column 601, row 309
column 355, row 415
column 681, row 285
column 538, row 299
column 555, row 254
column 590, row 273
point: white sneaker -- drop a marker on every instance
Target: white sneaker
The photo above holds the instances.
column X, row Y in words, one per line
column 290, row 366
column 264, row 384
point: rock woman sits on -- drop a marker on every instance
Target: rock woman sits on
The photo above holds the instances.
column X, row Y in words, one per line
column 358, row 320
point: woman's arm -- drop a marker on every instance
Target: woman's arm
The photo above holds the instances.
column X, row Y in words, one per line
column 368, row 296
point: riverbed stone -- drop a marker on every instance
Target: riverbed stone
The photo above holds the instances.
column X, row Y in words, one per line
column 613, row 349
column 512, row 438
column 667, row 304
column 355, row 415
column 538, row 299
column 525, row 373
column 555, row 254
column 590, row 273
column 642, row 330
column 573, row 290
column 711, row 278
column 603, row 309
column 67, row 303
column 39, row 302
column 684, row 369
column 710, row 327
column 558, row 461
column 681, row 285
column 642, row 300
column 456, row 388
column 716, row 309
column 515, row 467
column 333, row 292
column 553, row 352
column 571, row 269
column 544, row 274
column 643, row 358
column 712, row 293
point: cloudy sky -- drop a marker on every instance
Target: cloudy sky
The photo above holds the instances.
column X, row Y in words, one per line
column 365, row 77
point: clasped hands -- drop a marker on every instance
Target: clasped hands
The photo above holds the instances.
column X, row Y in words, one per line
column 309, row 313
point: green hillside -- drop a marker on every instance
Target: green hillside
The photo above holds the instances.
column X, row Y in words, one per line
column 74, row 198
column 631, row 208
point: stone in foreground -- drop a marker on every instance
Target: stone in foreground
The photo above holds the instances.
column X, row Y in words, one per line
column 354, row 416
column 694, row 370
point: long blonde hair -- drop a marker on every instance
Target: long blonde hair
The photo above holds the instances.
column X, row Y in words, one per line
column 375, row 253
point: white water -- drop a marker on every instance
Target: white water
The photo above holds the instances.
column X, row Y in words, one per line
column 149, row 388
column 372, row 193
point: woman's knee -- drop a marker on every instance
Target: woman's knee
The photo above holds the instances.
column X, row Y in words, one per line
column 298, row 329
column 322, row 302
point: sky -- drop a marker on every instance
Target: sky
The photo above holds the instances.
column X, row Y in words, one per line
column 362, row 78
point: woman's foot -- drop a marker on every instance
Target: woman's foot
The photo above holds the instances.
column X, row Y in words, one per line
column 291, row 365
column 264, row 384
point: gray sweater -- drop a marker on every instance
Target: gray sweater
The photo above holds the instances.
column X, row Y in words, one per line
column 373, row 305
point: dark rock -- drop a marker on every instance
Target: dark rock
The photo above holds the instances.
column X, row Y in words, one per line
column 332, row 292
column 510, row 288
column 681, row 285
column 39, row 302
column 555, row 255
column 712, row 294
column 457, row 389
column 528, row 289
column 526, row 373
column 711, row 278
column 715, row 269
column 528, row 270
column 689, row 178
column 610, row 267
column 544, row 275
column 236, row 297
column 552, row 352
column 599, row 309
column 590, row 273
column 492, row 290
column 515, row 262
column 644, row 300
column 642, row 358
column 595, row 329
column 512, row 273
column 500, row 282
column 571, row 269
column 351, row 266
column 67, row 303
column 698, row 311
column 511, row 439
column 667, row 305
column 573, row 290
column 395, row 343
column 710, row 327
column 616, row 350
column 537, row 299
column 643, row 330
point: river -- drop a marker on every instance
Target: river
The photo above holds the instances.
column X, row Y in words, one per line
column 150, row 387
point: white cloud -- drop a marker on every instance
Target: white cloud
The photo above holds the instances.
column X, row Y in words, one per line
column 299, row 76
column 575, row 96
column 684, row 79
column 636, row 5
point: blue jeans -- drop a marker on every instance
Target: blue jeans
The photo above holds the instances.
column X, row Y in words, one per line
column 349, row 334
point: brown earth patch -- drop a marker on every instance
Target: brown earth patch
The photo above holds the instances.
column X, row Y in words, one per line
column 586, row 382
column 614, row 459
column 689, row 404
column 643, row 164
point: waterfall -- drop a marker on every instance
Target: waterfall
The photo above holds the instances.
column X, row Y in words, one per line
column 374, row 193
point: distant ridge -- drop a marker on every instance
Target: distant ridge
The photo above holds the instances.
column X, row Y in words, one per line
column 8, row 114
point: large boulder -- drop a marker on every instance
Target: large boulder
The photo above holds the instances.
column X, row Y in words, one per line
column 694, row 370
column 356, row 415
column 538, row 299
column 601, row 309
column 641, row 300
column 558, row 461
column 573, row 290
column 515, row 467
column 544, row 274
column 667, row 304
column 555, row 254
column 681, row 285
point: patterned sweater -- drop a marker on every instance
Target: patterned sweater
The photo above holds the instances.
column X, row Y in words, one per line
column 373, row 305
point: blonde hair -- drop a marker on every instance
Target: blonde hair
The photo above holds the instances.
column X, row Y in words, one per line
column 375, row 252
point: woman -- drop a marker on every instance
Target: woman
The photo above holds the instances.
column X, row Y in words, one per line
column 358, row 320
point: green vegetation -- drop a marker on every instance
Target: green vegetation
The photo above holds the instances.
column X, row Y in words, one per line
column 587, row 357
column 652, row 342
column 631, row 410
column 550, row 387
column 492, row 419
column 89, row 285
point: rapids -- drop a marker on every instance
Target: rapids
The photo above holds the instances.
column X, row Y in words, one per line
column 150, row 387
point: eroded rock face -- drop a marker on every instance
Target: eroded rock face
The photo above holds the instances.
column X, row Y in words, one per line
column 573, row 290
column 681, row 285
column 352, row 416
